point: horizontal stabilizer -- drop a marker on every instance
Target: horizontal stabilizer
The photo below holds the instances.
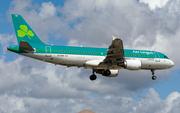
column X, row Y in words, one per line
column 8, row 51
column 25, row 46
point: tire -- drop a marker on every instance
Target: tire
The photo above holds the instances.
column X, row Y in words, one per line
column 93, row 77
column 107, row 72
column 154, row 77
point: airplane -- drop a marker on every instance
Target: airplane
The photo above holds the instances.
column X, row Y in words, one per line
column 105, row 61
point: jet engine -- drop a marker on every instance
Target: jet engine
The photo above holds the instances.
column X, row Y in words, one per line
column 131, row 64
column 114, row 73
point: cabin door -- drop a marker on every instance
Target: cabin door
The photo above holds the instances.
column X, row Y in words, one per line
column 48, row 51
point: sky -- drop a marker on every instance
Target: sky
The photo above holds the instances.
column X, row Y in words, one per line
column 31, row 86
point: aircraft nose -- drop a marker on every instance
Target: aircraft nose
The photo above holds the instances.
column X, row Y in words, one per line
column 171, row 63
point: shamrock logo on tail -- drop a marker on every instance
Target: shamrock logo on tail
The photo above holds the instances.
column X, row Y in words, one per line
column 24, row 31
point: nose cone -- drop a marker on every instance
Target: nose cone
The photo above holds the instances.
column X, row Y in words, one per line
column 171, row 64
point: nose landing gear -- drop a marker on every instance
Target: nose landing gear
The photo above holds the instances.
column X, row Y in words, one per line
column 153, row 77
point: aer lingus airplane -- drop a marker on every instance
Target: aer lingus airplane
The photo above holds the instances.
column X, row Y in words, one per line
column 105, row 61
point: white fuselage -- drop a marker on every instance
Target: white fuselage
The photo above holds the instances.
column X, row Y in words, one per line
column 80, row 61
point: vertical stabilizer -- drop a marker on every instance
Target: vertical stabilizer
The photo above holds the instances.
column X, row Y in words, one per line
column 24, row 31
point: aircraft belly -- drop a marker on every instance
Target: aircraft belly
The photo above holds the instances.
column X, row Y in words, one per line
column 69, row 60
column 152, row 64
column 78, row 60
column 74, row 60
column 35, row 56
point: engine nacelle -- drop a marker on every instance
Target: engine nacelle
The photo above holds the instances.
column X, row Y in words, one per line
column 132, row 64
column 114, row 73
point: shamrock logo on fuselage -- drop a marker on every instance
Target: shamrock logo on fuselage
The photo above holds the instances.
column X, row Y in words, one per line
column 24, row 31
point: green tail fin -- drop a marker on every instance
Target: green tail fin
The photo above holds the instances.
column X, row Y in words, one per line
column 24, row 31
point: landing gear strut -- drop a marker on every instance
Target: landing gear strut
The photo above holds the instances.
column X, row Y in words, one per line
column 107, row 72
column 153, row 77
column 93, row 76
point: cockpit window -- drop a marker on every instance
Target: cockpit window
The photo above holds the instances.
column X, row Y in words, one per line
column 165, row 57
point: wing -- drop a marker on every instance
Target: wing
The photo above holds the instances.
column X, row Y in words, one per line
column 115, row 52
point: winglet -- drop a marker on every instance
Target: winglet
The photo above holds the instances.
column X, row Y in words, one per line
column 114, row 37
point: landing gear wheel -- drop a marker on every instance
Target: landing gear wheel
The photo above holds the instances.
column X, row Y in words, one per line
column 93, row 77
column 107, row 72
column 154, row 77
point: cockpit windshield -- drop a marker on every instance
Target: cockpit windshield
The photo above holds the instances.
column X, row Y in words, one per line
column 165, row 57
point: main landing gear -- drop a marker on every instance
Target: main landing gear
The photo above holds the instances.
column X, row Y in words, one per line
column 106, row 72
column 93, row 76
column 153, row 77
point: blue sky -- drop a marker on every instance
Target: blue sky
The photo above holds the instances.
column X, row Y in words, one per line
column 90, row 23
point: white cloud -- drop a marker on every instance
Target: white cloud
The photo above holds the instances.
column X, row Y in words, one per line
column 47, row 10
column 5, row 39
column 149, row 103
column 12, row 104
column 170, row 102
column 153, row 4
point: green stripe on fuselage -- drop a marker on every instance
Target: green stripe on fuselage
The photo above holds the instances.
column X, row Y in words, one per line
column 89, row 51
